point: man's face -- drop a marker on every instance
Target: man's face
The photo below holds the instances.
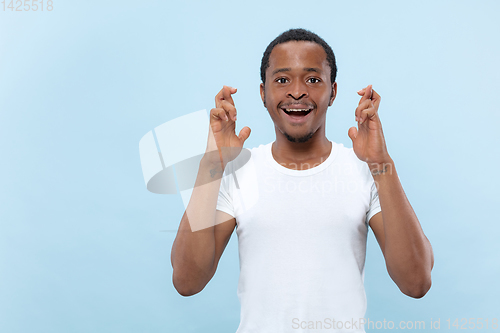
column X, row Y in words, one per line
column 298, row 78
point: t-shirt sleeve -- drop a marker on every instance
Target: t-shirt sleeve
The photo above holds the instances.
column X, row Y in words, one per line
column 374, row 207
column 225, row 199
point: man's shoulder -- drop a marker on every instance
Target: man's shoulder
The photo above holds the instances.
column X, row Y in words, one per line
column 261, row 149
column 346, row 159
column 249, row 156
column 346, row 154
column 258, row 154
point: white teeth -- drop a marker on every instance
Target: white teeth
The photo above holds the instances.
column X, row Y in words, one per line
column 296, row 110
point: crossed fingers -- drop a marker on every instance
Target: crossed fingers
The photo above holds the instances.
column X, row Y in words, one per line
column 368, row 105
column 224, row 105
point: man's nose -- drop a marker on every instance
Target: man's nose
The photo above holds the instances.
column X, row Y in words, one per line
column 297, row 90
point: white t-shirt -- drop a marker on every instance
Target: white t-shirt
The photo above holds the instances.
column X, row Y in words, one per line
column 302, row 240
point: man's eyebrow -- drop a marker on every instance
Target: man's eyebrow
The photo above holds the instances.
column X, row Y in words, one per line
column 279, row 70
column 312, row 69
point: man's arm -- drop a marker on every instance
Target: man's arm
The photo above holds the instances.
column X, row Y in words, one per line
column 204, row 231
column 195, row 255
column 195, row 264
column 408, row 253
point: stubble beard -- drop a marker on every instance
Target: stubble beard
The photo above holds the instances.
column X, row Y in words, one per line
column 301, row 139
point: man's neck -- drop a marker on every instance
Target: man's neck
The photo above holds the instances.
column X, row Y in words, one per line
column 301, row 155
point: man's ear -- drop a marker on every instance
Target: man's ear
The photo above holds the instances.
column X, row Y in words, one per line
column 263, row 93
column 333, row 94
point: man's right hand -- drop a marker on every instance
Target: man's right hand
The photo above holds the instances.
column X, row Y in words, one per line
column 222, row 135
column 205, row 231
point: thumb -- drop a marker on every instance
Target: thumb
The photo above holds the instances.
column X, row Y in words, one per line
column 353, row 132
column 244, row 134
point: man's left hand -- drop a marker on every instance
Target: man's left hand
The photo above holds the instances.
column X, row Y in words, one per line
column 368, row 139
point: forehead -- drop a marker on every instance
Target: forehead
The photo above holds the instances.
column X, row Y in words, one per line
column 298, row 54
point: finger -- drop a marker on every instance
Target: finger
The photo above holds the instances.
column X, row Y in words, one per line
column 366, row 114
column 244, row 134
column 224, row 94
column 375, row 95
column 230, row 109
column 218, row 114
column 218, row 98
column 227, row 92
column 376, row 99
column 363, row 105
column 352, row 133
column 367, row 93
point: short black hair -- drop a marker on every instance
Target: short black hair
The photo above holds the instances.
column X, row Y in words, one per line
column 298, row 35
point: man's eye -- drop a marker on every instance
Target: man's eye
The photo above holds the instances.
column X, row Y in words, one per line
column 313, row 80
column 281, row 80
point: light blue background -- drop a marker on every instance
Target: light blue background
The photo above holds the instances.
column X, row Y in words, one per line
column 84, row 247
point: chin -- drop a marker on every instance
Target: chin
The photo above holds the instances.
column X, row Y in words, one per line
column 298, row 139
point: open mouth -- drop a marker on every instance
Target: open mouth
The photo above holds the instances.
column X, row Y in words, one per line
column 297, row 112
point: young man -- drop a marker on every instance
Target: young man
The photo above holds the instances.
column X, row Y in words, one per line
column 302, row 245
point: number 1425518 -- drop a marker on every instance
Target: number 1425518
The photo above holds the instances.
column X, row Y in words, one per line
column 27, row 5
